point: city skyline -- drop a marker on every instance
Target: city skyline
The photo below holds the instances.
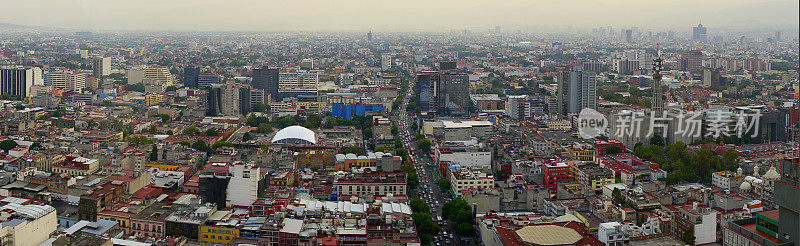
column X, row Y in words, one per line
column 415, row 15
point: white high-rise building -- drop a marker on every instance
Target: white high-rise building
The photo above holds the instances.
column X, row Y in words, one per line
column 38, row 76
column 243, row 185
column 576, row 90
column 101, row 66
column 298, row 84
column 298, row 79
column 65, row 80
column 386, row 62
column 151, row 74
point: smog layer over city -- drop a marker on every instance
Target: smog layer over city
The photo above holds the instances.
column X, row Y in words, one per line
column 399, row 123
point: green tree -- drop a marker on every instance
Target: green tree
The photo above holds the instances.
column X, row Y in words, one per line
column 425, row 239
column 212, row 132
column 191, row 130
column 424, row 145
column 617, row 196
column 401, row 152
column 59, row 112
column 8, row 144
column 444, row 185
column 259, row 107
column 264, row 128
column 200, row 145
column 218, row 144
column 137, row 87
column 246, row 137
column 465, row 229
column 411, row 175
column 451, row 210
column 657, row 140
column 418, row 205
column 395, row 130
column 153, row 129
column 140, row 140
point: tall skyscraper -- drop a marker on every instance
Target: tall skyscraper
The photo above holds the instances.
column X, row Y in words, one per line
column 691, row 61
column 223, row 100
column 454, row 92
column 445, row 89
column 207, row 79
column 101, row 67
column 576, row 90
column 369, row 36
column 427, row 91
column 267, row 79
column 190, row 76
column 16, row 81
column 628, row 36
column 699, row 32
column 592, row 66
column 244, row 100
column 301, row 85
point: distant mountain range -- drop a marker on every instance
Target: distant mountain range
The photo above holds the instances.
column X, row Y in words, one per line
column 11, row 26
column 15, row 27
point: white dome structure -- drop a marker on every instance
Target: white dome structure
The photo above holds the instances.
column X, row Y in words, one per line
column 772, row 174
column 745, row 186
column 295, row 135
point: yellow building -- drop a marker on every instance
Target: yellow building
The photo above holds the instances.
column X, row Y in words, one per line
column 311, row 106
column 586, row 154
column 213, row 234
column 162, row 167
column 598, row 183
column 154, row 98
column 77, row 166
column 591, row 175
column 45, row 162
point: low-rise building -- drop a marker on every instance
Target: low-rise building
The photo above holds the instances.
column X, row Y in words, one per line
column 554, row 174
column 370, row 185
column 76, row 165
column 26, row 222
column 462, row 179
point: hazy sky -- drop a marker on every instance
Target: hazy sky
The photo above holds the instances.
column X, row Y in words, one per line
column 397, row 15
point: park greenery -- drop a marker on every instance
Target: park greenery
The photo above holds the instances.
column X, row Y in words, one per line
column 426, row 228
column 459, row 212
column 684, row 165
